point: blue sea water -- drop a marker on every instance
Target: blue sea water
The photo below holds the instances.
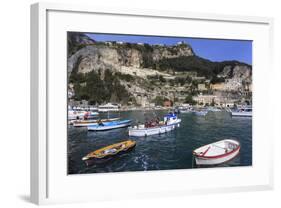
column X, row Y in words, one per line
column 172, row 150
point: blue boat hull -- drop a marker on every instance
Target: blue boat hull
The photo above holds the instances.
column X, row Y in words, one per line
column 110, row 125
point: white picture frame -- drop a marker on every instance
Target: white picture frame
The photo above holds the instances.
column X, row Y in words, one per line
column 50, row 182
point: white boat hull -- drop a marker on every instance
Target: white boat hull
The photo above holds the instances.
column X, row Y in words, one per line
column 214, row 110
column 74, row 116
column 217, row 152
column 201, row 113
column 107, row 110
column 186, row 111
column 140, row 132
column 242, row 114
column 216, row 161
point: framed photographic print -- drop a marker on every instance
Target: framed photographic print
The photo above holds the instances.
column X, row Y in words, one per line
column 155, row 103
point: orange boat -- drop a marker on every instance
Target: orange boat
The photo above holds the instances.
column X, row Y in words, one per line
column 108, row 152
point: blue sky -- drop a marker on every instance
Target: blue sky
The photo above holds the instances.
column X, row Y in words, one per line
column 212, row 49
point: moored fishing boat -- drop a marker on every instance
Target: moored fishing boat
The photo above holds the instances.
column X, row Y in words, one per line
column 186, row 110
column 214, row 109
column 73, row 114
column 108, row 152
column 83, row 123
column 201, row 113
column 217, row 152
column 171, row 121
column 103, row 126
column 91, row 114
column 81, row 114
column 242, row 112
column 108, row 107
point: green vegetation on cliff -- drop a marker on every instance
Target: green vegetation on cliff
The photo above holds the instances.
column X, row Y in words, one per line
column 203, row 67
column 91, row 87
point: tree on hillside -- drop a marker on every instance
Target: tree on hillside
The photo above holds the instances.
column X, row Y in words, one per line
column 159, row 101
column 189, row 100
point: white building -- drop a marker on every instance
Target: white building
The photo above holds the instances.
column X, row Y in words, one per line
column 180, row 42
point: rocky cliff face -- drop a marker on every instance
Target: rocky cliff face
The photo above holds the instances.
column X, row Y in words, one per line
column 236, row 72
column 142, row 72
column 75, row 40
column 78, row 38
column 101, row 56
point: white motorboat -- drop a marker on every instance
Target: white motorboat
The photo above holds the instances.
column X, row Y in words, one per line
column 186, row 110
column 201, row 113
column 108, row 107
column 217, row 152
column 214, row 109
column 81, row 114
column 91, row 114
column 242, row 112
column 171, row 121
column 75, row 114
column 109, row 125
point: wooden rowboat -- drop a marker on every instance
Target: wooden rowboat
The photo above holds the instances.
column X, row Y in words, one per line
column 109, row 152
column 217, row 153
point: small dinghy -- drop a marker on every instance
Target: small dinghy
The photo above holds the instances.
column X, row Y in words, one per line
column 217, row 153
column 100, row 126
column 83, row 123
column 108, row 152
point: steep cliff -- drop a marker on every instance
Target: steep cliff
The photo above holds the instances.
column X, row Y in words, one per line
column 101, row 56
column 76, row 40
column 132, row 73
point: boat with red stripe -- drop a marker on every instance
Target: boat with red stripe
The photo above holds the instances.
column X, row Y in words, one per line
column 217, row 152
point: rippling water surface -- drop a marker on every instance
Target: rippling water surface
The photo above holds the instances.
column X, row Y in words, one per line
column 172, row 150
